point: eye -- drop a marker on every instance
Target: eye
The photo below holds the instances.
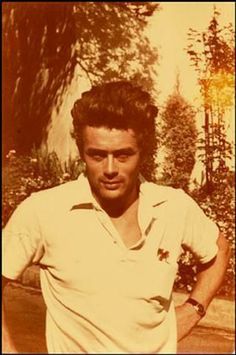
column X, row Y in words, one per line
column 122, row 157
column 97, row 157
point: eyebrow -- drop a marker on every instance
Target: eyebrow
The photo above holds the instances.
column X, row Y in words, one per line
column 127, row 151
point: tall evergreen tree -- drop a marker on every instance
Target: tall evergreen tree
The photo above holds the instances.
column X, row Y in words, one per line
column 179, row 137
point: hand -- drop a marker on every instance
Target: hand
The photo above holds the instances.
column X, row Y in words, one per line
column 7, row 346
column 187, row 318
column 9, row 349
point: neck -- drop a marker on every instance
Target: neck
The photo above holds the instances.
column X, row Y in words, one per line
column 118, row 207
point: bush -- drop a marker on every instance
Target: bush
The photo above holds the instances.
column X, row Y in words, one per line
column 23, row 175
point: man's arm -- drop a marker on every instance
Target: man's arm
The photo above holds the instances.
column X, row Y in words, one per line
column 8, row 346
column 208, row 282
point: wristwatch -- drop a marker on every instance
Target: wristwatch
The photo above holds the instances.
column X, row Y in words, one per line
column 199, row 308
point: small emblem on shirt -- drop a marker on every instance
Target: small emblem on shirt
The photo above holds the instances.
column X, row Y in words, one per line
column 163, row 254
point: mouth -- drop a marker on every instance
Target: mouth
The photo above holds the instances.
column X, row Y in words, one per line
column 111, row 185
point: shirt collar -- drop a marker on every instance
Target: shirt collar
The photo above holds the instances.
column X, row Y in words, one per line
column 153, row 194
column 86, row 199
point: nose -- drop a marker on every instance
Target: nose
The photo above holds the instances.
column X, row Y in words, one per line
column 111, row 168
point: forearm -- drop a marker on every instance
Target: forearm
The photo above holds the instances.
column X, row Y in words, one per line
column 7, row 342
column 8, row 346
column 209, row 280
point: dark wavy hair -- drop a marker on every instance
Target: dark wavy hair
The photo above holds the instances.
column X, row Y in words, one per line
column 118, row 105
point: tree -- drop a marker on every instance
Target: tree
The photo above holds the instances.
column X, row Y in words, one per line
column 37, row 60
column 212, row 55
column 43, row 43
column 179, row 135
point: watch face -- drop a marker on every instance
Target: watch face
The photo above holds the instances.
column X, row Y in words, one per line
column 198, row 306
column 201, row 310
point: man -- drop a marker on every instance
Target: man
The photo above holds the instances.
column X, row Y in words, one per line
column 108, row 243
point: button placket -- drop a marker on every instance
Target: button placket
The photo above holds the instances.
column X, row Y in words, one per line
column 146, row 217
column 107, row 224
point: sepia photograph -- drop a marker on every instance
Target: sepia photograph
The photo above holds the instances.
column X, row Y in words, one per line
column 118, row 177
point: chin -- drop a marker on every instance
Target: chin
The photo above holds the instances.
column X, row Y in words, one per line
column 110, row 195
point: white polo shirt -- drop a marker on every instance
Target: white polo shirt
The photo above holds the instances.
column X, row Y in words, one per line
column 101, row 296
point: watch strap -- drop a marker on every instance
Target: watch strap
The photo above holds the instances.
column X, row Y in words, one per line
column 199, row 308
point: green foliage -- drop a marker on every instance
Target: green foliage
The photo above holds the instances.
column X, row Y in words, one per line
column 23, row 175
column 40, row 38
column 179, row 135
column 212, row 53
column 111, row 42
column 47, row 40
column 220, row 206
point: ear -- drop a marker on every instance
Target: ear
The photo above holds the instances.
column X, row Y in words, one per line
column 80, row 147
column 82, row 157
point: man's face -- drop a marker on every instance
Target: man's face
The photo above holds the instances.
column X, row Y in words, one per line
column 112, row 158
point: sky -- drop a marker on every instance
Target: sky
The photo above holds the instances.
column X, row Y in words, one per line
column 168, row 32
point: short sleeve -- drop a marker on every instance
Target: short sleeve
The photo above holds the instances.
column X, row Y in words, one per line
column 200, row 232
column 21, row 240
